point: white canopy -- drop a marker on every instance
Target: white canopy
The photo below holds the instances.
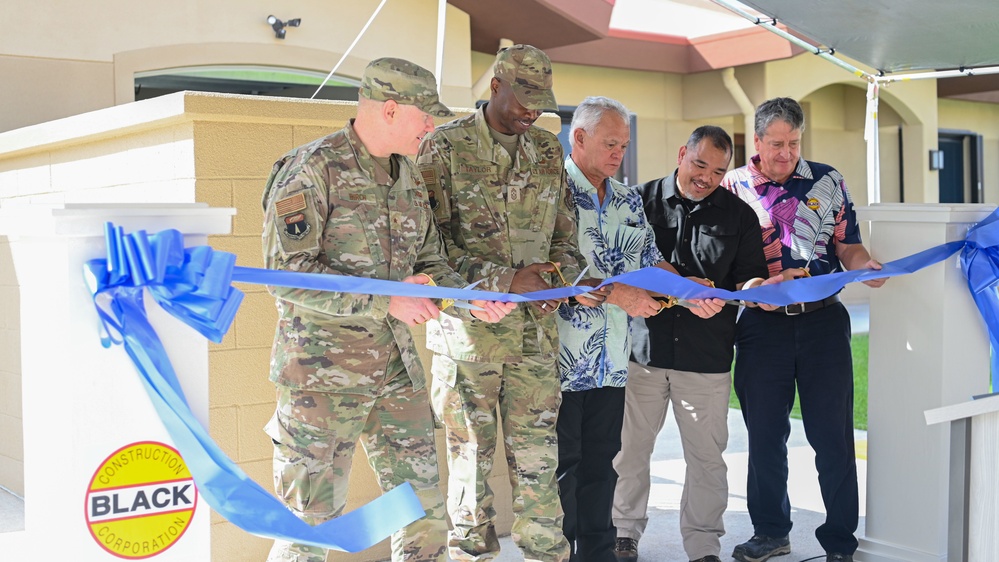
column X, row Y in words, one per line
column 896, row 35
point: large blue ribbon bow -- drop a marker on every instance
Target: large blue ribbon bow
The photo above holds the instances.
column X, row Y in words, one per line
column 194, row 285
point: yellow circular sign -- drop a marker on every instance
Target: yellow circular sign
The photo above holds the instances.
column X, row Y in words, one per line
column 812, row 204
column 140, row 500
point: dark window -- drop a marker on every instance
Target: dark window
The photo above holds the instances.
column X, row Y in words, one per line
column 246, row 80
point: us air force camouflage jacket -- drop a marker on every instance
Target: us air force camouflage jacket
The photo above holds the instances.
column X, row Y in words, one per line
column 496, row 215
column 329, row 208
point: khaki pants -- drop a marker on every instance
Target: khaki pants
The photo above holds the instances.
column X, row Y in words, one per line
column 700, row 406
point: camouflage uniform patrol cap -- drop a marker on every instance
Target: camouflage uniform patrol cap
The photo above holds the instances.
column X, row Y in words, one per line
column 404, row 82
column 529, row 71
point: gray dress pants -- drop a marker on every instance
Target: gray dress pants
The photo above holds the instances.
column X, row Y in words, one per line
column 700, row 406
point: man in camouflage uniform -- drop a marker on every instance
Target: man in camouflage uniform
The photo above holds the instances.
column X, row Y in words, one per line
column 498, row 189
column 345, row 365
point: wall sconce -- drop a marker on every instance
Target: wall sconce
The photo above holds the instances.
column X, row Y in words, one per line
column 279, row 26
column 936, row 159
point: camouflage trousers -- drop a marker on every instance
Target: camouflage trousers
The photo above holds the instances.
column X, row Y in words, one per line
column 314, row 436
column 466, row 397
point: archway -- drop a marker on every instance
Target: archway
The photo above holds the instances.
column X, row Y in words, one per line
column 835, row 117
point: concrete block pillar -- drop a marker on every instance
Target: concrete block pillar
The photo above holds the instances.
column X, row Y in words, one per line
column 928, row 348
column 101, row 478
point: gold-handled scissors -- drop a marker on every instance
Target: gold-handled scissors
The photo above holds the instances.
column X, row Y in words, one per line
column 445, row 303
column 561, row 278
column 670, row 301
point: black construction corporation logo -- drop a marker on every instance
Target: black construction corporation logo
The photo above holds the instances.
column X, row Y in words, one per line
column 140, row 500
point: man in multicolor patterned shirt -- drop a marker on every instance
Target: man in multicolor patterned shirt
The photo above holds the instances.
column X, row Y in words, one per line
column 615, row 238
column 809, row 228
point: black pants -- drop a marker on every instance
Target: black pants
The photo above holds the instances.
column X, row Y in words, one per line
column 774, row 354
column 589, row 436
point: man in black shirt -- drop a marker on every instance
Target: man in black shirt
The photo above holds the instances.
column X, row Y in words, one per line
column 707, row 234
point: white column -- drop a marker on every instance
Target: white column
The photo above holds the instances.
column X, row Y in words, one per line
column 81, row 402
column 974, row 494
column 928, row 348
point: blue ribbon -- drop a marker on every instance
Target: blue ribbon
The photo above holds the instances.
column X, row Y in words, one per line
column 194, row 285
column 799, row 290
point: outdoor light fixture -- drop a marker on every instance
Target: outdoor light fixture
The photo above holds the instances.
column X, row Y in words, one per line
column 279, row 26
column 936, row 159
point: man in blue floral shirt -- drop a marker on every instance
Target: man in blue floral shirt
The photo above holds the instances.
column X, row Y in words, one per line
column 615, row 237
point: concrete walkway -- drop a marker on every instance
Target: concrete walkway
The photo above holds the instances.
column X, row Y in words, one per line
column 661, row 542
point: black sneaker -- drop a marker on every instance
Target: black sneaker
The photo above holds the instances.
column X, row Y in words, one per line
column 626, row 549
column 837, row 557
column 760, row 548
column 708, row 558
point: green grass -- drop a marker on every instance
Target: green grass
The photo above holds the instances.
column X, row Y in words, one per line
column 859, row 344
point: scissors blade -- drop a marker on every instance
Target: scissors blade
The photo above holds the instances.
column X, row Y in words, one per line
column 460, row 303
column 688, row 304
column 580, row 278
column 673, row 301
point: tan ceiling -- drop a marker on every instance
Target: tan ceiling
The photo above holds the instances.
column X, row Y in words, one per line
column 655, row 35
column 580, row 32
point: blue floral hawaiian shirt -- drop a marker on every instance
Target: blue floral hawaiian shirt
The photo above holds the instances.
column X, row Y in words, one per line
column 614, row 238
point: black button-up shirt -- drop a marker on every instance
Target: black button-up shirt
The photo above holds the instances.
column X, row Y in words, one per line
column 718, row 239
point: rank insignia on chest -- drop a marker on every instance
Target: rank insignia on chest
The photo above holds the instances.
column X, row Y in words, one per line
column 296, row 226
column 514, row 194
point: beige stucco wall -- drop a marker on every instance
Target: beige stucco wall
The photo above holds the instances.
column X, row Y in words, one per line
column 88, row 54
column 655, row 98
column 188, row 147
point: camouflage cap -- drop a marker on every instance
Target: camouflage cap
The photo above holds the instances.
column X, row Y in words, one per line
column 529, row 71
column 404, row 82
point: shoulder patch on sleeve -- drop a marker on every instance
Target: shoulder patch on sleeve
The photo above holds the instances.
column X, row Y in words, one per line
column 429, row 174
column 431, row 180
column 290, row 205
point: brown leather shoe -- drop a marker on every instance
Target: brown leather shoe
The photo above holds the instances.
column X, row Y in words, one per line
column 626, row 549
